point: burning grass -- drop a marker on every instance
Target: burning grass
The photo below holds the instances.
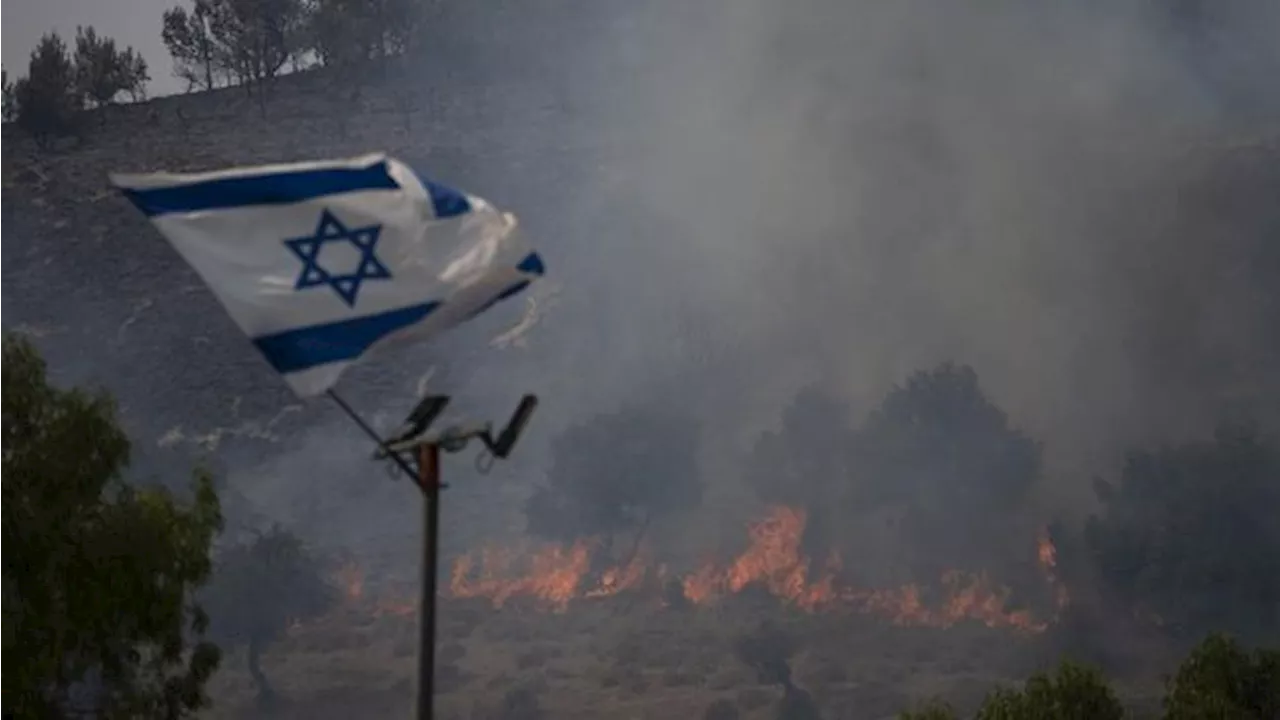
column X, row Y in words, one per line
column 589, row 640
column 555, row 575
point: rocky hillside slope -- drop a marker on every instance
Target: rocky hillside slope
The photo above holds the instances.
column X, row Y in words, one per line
column 111, row 304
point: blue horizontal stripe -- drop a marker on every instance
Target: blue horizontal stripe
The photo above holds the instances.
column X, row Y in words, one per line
column 273, row 189
column 307, row 347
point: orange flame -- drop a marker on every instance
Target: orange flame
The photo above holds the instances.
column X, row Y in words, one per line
column 772, row 559
column 1047, row 553
column 350, row 577
column 555, row 575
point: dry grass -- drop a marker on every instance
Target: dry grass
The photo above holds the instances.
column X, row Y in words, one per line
column 616, row 658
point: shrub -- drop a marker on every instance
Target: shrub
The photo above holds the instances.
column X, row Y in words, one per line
column 47, row 99
column 1189, row 535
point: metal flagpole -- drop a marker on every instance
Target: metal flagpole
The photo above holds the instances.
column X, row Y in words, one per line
column 427, row 477
column 404, row 465
column 413, row 441
column 429, row 482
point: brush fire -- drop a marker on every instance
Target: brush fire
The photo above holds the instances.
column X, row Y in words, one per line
column 553, row 576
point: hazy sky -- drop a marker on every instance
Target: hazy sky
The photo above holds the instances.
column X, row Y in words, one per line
column 130, row 22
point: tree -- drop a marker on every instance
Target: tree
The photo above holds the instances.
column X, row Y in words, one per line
column 805, row 464
column 1072, row 692
column 341, row 32
column 352, row 37
column 10, row 110
column 136, row 74
column 189, row 40
column 255, row 38
column 345, row 32
column 1189, row 535
column 617, row 473
column 98, row 575
column 103, row 72
column 259, row 589
column 1221, row 680
column 768, row 650
column 48, row 101
column 938, row 451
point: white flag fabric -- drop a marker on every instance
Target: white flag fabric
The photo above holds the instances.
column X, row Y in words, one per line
column 320, row 262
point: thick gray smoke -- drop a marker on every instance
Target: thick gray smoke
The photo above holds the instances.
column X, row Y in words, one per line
column 743, row 198
column 844, row 192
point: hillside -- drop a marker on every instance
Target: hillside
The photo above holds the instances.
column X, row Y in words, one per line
column 711, row 247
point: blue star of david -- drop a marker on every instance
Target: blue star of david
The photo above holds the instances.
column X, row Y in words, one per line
column 329, row 230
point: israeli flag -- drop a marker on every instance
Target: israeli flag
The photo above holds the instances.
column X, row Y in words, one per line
column 319, row 263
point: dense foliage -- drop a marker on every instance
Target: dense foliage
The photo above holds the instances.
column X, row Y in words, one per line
column 795, row 465
column 189, row 39
column 98, row 575
column 936, row 456
column 215, row 42
column 248, row 42
column 1218, row 681
column 616, row 474
column 259, row 589
column 1189, row 537
column 103, row 72
column 47, row 101
column 947, row 459
column 1222, row 680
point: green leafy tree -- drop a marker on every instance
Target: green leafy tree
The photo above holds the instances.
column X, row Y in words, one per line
column 1073, row 692
column 942, row 454
column 188, row 36
column 1189, row 535
column 1222, row 681
column 98, row 575
column 259, row 589
column 1219, row 680
column 48, row 101
column 618, row 473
